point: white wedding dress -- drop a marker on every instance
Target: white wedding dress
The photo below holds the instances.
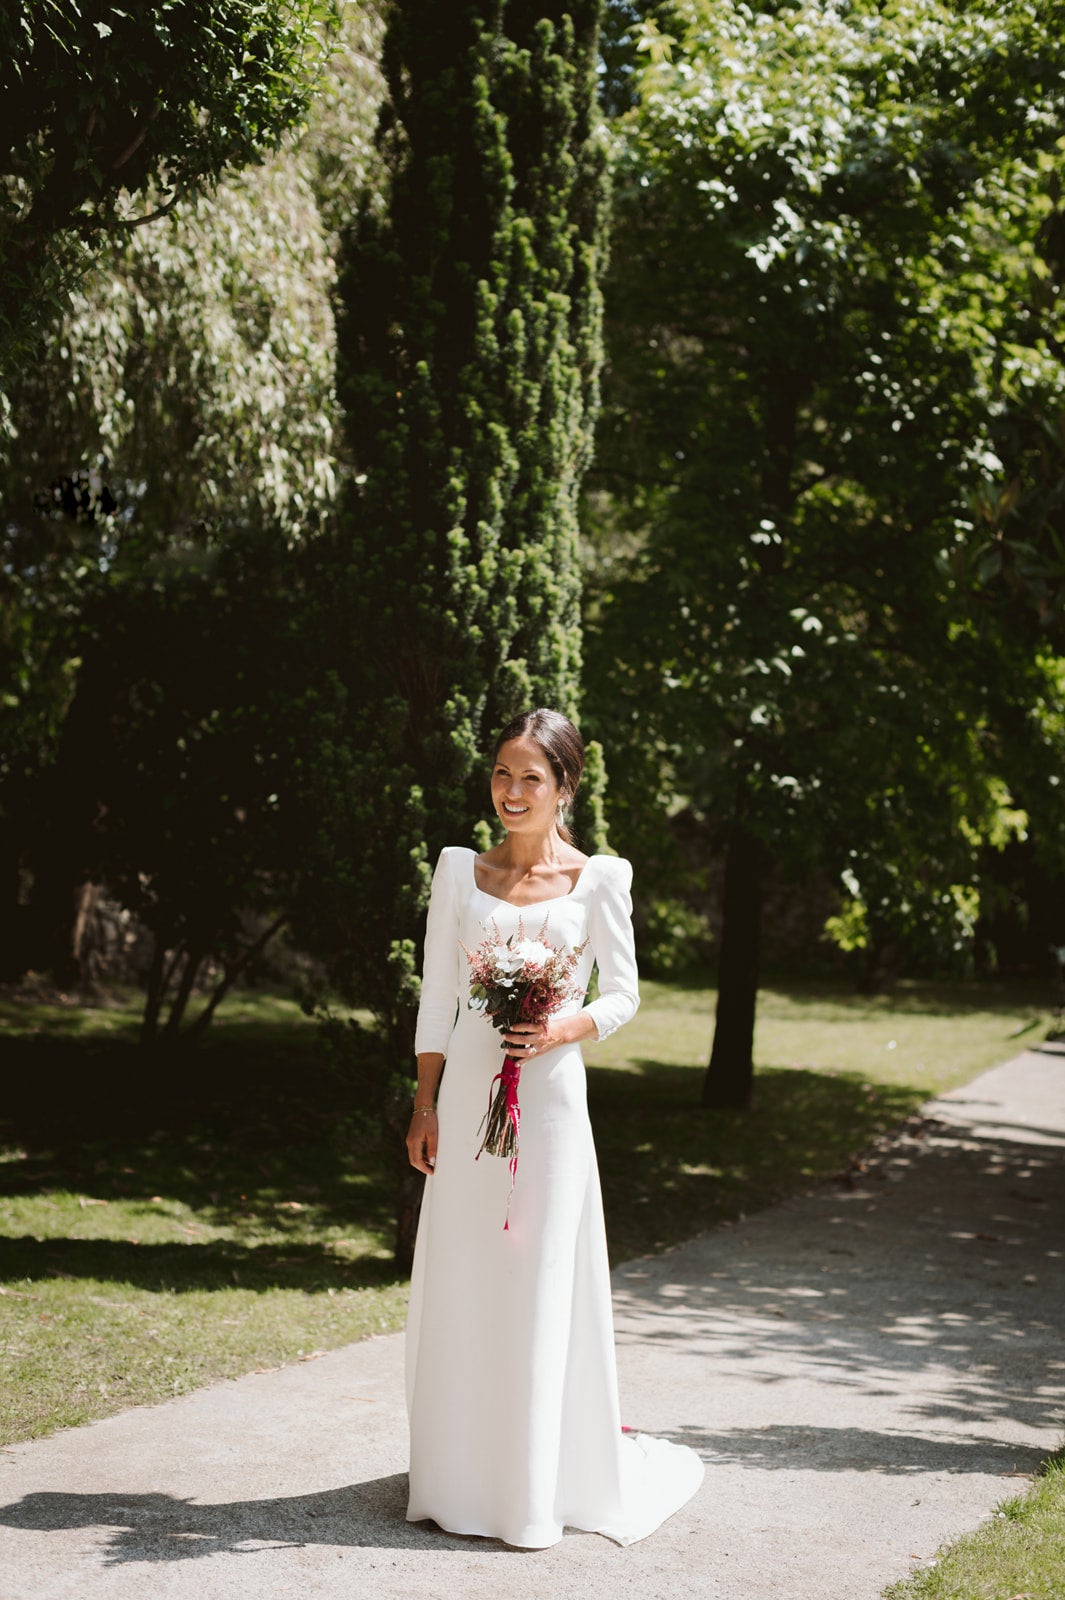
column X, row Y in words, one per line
column 511, row 1378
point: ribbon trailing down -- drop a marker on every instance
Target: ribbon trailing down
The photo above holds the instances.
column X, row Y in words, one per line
column 502, row 1121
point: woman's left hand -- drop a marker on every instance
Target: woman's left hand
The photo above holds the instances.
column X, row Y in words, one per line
column 527, row 1039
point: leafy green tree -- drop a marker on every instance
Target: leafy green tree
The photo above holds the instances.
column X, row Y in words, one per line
column 164, row 468
column 1017, row 553
column 469, row 341
column 112, row 114
column 182, row 408
column 813, row 205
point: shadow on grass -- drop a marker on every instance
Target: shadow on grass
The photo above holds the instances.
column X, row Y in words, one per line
column 252, row 1136
column 920, row 997
column 671, row 1169
column 909, row 996
column 219, row 1264
column 239, row 1132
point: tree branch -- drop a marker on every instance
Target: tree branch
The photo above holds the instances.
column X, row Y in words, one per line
column 153, row 216
column 137, row 140
column 232, row 972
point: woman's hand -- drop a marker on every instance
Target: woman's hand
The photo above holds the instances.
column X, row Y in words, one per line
column 527, row 1039
column 421, row 1140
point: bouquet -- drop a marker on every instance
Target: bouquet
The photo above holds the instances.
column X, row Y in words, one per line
column 516, row 980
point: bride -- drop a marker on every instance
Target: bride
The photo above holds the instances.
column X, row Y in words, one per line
column 511, row 1379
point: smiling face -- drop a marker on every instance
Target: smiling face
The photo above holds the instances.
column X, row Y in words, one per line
column 525, row 792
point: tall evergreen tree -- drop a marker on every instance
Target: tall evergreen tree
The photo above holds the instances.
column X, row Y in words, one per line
column 469, row 350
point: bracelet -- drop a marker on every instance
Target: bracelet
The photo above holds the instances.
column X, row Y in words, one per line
column 423, row 1108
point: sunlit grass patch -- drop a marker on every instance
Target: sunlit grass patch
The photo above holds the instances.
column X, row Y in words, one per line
column 1017, row 1554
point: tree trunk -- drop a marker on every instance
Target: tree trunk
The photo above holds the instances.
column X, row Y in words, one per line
column 194, row 957
column 154, row 997
column 230, row 975
column 61, row 838
column 158, row 983
column 56, row 916
column 730, row 1075
column 409, row 1189
column 84, row 947
column 13, row 962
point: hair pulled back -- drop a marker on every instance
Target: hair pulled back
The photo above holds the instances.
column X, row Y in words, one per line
column 561, row 744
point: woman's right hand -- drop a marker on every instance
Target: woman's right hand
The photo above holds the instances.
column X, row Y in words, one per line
column 421, row 1141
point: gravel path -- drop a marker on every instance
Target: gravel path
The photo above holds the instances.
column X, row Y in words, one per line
column 867, row 1369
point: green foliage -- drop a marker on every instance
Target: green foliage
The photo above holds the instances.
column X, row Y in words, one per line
column 826, row 219
column 675, row 941
column 172, row 444
column 338, row 146
column 112, row 114
column 469, row 348
column 192, row 374
column 1016, row 556
column 162, row 466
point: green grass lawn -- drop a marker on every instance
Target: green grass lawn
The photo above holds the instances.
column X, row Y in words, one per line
column 1019, row 1554
column 167, row 1219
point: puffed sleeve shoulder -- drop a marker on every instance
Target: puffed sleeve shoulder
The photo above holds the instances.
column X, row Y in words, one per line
column 438, row 1005
column 610, row 931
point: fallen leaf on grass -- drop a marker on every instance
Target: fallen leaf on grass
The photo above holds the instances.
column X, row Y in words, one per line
column 84, row 1200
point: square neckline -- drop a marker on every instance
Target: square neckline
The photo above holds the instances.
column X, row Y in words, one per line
column 531, row 904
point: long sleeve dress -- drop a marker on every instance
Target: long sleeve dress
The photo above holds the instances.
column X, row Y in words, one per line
column 511, row 1377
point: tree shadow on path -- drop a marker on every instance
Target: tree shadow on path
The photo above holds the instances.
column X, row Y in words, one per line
column 162, row 1527
column 921, row 1295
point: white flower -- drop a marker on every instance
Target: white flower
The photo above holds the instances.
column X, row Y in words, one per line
column 532, row 952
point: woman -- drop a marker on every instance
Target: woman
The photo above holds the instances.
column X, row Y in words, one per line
column 511, row 1383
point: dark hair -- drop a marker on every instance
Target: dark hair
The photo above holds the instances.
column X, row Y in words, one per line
column 560, row 743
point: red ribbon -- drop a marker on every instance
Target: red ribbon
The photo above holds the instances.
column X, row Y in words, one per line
column 509, row 1076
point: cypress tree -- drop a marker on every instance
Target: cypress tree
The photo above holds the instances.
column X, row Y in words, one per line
column 469, row 351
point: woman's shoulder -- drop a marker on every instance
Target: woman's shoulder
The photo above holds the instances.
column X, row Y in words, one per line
column 613, row 869
column 449, row 863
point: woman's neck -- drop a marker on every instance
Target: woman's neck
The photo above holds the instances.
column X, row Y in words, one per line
column 524, row 852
